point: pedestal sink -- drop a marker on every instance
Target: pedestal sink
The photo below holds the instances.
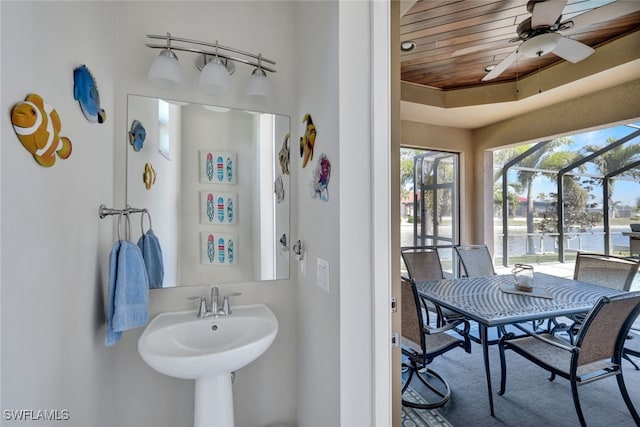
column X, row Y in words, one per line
column 208, row 350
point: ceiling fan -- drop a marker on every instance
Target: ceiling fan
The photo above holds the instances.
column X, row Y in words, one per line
column 541, row 33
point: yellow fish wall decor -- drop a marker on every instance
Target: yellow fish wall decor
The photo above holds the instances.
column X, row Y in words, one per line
column 148, row 176
column 308, row 140
column 38, row 128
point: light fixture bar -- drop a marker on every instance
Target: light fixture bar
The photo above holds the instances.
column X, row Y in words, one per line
column 260, row 60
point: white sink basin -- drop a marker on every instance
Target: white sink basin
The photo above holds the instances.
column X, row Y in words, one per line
column 179, row 344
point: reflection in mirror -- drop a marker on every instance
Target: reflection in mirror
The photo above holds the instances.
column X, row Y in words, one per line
column 213, row 184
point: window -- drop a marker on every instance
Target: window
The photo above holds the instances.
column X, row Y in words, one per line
column 430, row 201
column 164, row 140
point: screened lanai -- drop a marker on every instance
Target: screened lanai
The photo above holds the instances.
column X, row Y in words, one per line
column 580, row 192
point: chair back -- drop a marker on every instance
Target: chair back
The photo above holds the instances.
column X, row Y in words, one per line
column 412, row 321
column 605, row 328
column 423, row 263
column 476, row 260
column 605, row 270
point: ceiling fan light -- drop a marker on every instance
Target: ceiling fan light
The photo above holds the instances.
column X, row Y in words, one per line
column 539, row 45
column 165, row 71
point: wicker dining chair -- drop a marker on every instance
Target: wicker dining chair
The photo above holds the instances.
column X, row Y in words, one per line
column 423, row 264
column 421, row 343
column 596, row 354
column 605, row 270
column 476, row 260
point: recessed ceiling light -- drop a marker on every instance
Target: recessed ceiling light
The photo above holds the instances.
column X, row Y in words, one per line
column 407, row 46
column 489, row 68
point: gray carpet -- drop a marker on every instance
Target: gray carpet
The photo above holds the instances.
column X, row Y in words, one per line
column 530, row 399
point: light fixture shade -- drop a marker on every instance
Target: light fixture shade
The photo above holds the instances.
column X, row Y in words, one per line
column 259, row 89
column 165, row 71
column 215, row 79
column 539, row 45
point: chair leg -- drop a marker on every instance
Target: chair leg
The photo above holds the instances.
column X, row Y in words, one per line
column 576, row 402
column 627, row 399
column 626, row 356
column 503, row 368
column 411, row 372
column 443, row 393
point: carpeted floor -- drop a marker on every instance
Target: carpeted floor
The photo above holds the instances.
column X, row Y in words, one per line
column 530, row 399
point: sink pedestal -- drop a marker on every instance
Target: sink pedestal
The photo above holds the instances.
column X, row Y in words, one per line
column 213, row 402
column 208, row 350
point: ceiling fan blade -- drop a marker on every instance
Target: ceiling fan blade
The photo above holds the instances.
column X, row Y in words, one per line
column 604, row 13
column 572, row 50
column 503, row 65
column 546, row 13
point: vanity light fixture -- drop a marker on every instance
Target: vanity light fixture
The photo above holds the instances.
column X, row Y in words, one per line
column 214, row 78
column 165, row 71
column 258, row 87
column 216, row 67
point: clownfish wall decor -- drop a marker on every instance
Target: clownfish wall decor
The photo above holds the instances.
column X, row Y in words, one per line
column 38, row 128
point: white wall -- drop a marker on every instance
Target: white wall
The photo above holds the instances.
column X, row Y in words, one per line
column 55, row 248
column 55, row 274
column 318, row 226
column 319, row 370
column 336, row 375
column 264, row 391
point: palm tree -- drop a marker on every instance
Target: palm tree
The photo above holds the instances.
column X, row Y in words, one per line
column 545, row 158
column 613, row 160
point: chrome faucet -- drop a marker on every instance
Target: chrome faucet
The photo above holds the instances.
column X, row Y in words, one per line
column 214, row 301
column 226, row 307
column 203, row 310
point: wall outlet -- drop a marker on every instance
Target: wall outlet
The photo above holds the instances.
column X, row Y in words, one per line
column 323, row 274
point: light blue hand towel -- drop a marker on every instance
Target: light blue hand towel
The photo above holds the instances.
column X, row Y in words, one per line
column 128, row 291
column 152, row 253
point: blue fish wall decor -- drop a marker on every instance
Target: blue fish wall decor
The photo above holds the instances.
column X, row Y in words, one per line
column 85, row 91
column 137, row 135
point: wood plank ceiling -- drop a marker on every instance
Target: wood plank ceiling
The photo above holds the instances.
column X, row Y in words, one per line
column 456, row 39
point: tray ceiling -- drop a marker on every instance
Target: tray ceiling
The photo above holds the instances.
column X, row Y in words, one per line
column 456, row 39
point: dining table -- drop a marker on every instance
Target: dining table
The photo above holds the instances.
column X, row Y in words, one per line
column 495, row 301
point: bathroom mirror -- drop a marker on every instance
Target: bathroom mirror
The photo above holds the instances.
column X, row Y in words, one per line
column 216, row 191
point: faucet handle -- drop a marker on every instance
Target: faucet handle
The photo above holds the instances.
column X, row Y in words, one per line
column 226, row 306
column 202, row 310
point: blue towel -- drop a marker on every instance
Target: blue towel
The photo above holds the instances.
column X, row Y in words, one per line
column 152, row 254
column 128, row 291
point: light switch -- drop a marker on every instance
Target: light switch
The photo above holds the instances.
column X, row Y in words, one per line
column 323, row 274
